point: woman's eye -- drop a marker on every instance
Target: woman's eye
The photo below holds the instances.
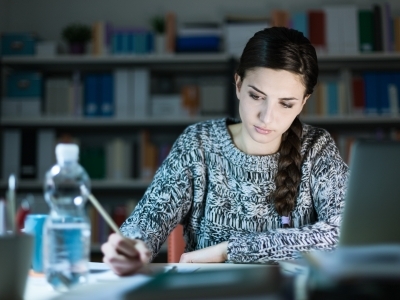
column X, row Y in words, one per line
column 286, row 105
column 255, row 97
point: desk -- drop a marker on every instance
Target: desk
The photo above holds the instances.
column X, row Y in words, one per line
column 38, row 289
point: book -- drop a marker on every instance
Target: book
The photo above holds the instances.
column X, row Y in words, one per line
column 358, row 95
column 11, row 149
column 166, row 106
column 139, row 92
column 393, row 99
column 371, row 92
column 101, row 38
column 106, row 95
column 280, row 18
column 46, row 142
column 384, row 80
column 93, row 159
column 170, row 32
column 123, row 107
column 76, row 94
column 21, row 107
column 317, row 29
column 60, row 97
column 366, row 30
column 118, row 159
column 200, row 29
column 190, row 100
column 387, row 27
column 238, row 33
column 57, row 96
column 300, row 22
column 28, row 167
column 350, row 29
column 377, row 28
column 334, row 34
column 148, row 156
column 212, row 98
column 203, row 43
column 332, row 98
column 92, row 96
column 396, row 33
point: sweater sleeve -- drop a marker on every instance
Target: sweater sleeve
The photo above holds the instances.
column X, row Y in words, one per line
column 165, row 203
column 328, row 186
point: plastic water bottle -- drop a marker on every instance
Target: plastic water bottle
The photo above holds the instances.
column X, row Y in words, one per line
column 66, row 233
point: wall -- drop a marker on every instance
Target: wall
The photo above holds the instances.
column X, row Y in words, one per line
column 3, row 14
column 48, row 17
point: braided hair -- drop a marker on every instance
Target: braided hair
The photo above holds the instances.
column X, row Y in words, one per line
column 286, row 49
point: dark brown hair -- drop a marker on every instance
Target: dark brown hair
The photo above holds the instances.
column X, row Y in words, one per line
column 286, row 49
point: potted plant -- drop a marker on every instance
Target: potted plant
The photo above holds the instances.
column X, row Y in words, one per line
column 77, row 35
column 158, row 24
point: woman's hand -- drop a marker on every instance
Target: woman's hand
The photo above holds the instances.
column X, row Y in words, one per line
column 213, row 254
column 125, row 256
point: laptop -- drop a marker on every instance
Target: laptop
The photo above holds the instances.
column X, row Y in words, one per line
column 372, row 204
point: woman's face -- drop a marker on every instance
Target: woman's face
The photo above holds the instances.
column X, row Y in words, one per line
column 269, row 101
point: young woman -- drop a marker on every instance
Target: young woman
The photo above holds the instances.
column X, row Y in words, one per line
column 265, row 187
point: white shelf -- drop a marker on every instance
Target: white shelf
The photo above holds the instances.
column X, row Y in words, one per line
column 116, row 59
column 112, row 122
column 351, row 120
column 174, row 58
column 101, row 122
column 96, row 184
column 377, row 56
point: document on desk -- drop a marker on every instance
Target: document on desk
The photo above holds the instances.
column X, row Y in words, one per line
column 105, row 284
column 101, row 272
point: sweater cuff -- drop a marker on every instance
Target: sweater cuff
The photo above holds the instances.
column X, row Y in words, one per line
column 238, row 249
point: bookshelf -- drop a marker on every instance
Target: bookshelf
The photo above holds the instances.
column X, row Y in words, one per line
column 341, row 67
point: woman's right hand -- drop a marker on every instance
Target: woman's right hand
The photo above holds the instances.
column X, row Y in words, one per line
column 125, row 256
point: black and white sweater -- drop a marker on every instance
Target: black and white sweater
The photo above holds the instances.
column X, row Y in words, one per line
column 220, row 193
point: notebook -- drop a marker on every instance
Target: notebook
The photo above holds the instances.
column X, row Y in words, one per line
column 372, row 203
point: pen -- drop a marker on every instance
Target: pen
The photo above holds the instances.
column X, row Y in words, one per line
column 100, row 209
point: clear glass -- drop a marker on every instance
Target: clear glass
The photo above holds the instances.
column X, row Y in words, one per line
column 66, row 233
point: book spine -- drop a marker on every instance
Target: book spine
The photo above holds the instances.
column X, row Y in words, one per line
column 317, row 29
column 371, row 93
column 28, row 167
column 45, row 151
column 121, row 93
column 140, row 92
column 107, row 98
column 91, row 96
column 366, row 30
column 11, row 153
column 378, row 31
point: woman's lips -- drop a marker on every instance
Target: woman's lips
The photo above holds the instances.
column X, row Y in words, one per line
column 262, row 130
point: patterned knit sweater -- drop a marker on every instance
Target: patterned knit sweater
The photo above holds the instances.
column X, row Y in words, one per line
column 220, row 193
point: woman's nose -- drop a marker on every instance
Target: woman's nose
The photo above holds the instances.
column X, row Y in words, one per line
column 266, row 113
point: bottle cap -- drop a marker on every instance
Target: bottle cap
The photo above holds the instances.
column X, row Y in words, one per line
column 67, row 152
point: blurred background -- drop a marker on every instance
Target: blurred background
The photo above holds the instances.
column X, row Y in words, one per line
column 122, row 79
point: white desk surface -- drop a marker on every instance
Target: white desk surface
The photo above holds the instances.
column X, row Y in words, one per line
column 37, row 288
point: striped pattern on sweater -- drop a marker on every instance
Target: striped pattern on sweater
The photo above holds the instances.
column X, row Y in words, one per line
column 220, row 193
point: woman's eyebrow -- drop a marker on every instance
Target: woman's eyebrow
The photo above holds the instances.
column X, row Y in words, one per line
column 288, row 98
column 284, row 98
column 257, row 90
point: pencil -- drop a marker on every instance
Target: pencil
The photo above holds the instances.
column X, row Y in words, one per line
column 101, row 210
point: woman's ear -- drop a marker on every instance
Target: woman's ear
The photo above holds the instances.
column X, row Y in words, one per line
column 305, row 100
column 238, row 84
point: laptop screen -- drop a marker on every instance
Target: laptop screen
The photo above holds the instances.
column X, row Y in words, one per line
column 372, row 204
